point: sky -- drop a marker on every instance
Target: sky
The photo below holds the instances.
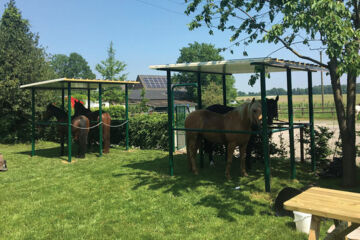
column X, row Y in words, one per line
column 144, row 33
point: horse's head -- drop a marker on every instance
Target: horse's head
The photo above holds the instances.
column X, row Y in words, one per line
column 79, row 108
column 48, row 112
column 272, row 109
column 255, row 114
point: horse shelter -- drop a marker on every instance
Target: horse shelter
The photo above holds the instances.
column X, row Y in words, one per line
column 76, row 84
column 246, row 66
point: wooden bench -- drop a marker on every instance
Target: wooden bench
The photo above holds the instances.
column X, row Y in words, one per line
column 328, row 203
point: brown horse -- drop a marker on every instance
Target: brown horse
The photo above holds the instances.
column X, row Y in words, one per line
column 242, row 118
column 94, row 117
column 79, row 127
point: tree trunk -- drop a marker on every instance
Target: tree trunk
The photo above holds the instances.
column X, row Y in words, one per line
column 346, row 122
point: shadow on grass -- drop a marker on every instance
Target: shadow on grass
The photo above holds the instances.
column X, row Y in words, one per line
column 54, row 152
column 238, row 196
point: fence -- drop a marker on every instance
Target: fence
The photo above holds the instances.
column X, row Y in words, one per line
column 304, row 111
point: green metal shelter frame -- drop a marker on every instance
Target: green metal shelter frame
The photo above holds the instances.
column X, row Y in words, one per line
column 76, row 84
column 249, row 66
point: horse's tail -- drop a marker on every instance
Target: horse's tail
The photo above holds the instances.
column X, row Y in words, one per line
column 84, row 125
column 106, row 131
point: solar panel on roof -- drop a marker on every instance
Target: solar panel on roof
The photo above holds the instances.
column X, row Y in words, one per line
column 154, row 81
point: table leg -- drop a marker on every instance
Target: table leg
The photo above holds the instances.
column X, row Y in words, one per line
column 314, row 228
column 342, row 235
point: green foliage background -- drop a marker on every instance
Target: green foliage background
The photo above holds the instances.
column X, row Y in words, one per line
column 22, row 61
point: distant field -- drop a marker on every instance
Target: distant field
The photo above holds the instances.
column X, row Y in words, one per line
column 301, row 99
column 300, row 104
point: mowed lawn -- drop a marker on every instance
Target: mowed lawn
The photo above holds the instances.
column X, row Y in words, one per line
column 129, row 195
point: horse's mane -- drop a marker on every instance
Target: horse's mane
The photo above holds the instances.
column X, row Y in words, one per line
column 243, row 110
column 58, row 113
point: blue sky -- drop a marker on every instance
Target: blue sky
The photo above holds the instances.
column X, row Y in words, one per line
column 144, row 32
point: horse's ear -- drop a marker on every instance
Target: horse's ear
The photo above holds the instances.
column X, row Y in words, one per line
column 253, row 100
column 277, row 98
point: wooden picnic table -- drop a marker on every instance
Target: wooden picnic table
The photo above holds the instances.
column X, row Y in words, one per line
column 327, row 203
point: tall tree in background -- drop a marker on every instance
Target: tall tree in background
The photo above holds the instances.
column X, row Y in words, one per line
column 203, row 52
column 22, row 61
column 112, row 69
column 333, row 25
column 74, row 66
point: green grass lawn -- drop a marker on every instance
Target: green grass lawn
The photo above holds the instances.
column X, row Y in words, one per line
column 129, row 195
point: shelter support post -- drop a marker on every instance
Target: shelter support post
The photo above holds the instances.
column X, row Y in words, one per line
column 170, row 122
column 302, row 144
column 224, row 88
column 311, row 121
column 69, row 122
column 88, row 98
column 32, row 121
column 265, row 137
column 62, row 140
column 126, row 117
column 291, row 123
column 100, row 121
column 200, row 107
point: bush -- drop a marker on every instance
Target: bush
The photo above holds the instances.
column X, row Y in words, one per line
column 147, row 131
column 322, row 137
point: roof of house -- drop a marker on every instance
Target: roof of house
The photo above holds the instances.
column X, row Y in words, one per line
column 157, row 94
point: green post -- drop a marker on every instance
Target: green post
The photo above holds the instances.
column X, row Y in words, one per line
column 126, row 117
column 200, row 107
column 100, row 121
column 224, row 103
column 291, row 123
column 170, row 121
column 62, row 135
column 265, row 137
column 32, row 121
column 311, row 119
column 69, row 122
column 224, row 88
column 88, row 98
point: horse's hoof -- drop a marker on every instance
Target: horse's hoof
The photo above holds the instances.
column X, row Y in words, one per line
column 212, row 164
column 244, row 174
column 196, row 172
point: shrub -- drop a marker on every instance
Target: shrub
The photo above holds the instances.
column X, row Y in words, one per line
column 147, row 131
column 322, row 137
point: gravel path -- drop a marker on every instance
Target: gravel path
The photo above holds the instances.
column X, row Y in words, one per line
column 331, row 124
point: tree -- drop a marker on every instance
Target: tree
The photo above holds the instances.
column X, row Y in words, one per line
column 22, row 61
column 212, row 94
column 334, row 25
column 74, row 66
column 203, row 52
column 110, row 69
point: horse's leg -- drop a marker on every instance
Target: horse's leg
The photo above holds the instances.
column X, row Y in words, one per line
column 106, row 132
column 193, row 147
column 242, row 160
column 230, row 151
column 208, row 148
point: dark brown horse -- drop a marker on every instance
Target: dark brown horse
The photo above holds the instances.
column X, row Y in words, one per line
column 94, row 117
column 242, row 118
column 79, row 126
